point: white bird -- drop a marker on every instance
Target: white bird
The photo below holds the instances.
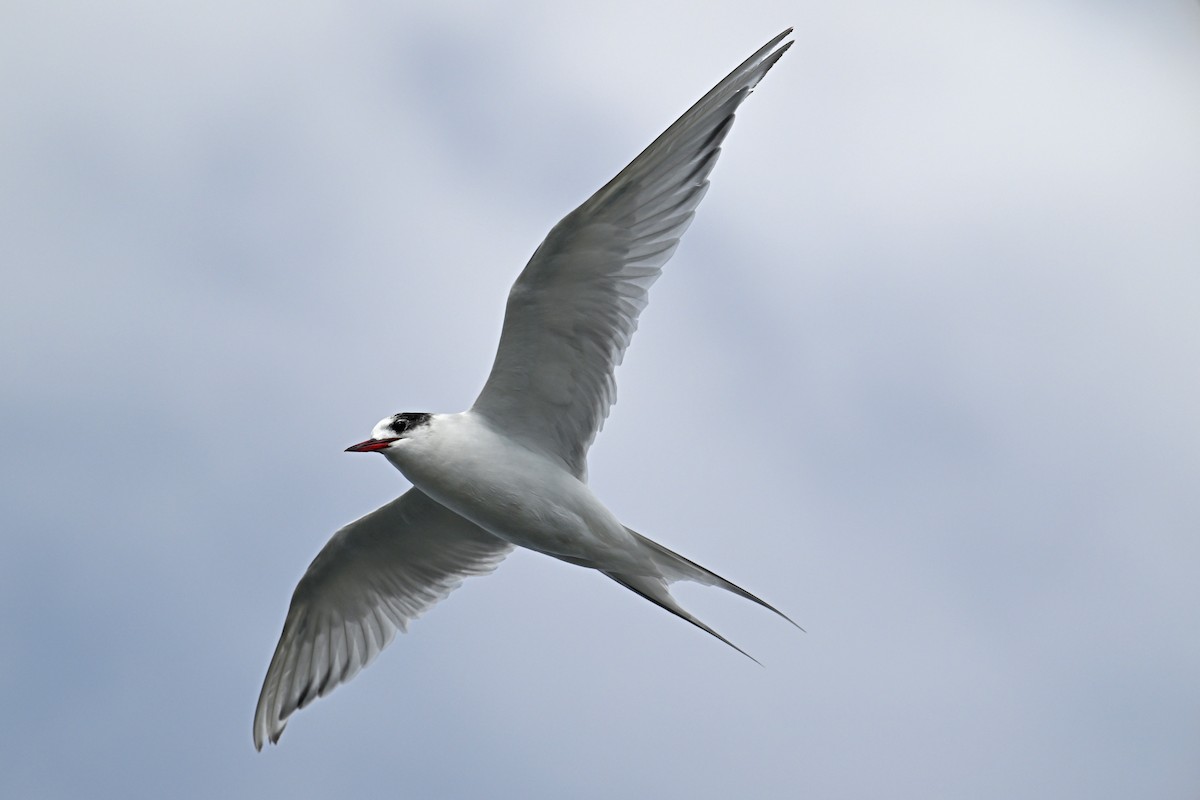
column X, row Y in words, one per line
column 511, row 470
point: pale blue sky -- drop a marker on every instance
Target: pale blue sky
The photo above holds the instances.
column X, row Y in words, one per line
column 923, row 374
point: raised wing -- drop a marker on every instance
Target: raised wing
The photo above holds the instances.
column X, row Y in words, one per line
column 574, row 308
column 369, row 580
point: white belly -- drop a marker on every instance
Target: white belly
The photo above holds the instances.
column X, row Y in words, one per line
column 514, row 493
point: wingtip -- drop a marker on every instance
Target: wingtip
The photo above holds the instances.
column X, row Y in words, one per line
column 265, row 734
column 759, row 64
column 771, row 44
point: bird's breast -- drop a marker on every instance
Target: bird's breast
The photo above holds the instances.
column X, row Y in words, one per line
column 519, row 495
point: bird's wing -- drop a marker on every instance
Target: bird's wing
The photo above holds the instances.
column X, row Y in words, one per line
column 574, row 308
column 372, row 577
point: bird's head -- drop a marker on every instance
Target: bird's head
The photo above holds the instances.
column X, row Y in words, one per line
column 391, row 430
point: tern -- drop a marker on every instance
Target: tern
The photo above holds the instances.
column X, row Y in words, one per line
column 511, row 471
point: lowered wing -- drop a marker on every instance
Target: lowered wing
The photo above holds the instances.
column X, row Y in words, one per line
column 373, row 577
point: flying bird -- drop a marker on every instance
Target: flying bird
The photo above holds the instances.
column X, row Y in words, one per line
column 511, row 471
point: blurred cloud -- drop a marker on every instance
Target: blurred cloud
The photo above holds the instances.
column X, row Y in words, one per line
column 921, row 374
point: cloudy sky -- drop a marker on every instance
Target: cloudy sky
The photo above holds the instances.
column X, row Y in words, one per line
column 924, row 374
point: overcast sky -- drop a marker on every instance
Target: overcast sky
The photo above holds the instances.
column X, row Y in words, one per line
column 924, row 373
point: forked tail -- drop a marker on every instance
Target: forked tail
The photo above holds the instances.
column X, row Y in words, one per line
column 674, row 567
